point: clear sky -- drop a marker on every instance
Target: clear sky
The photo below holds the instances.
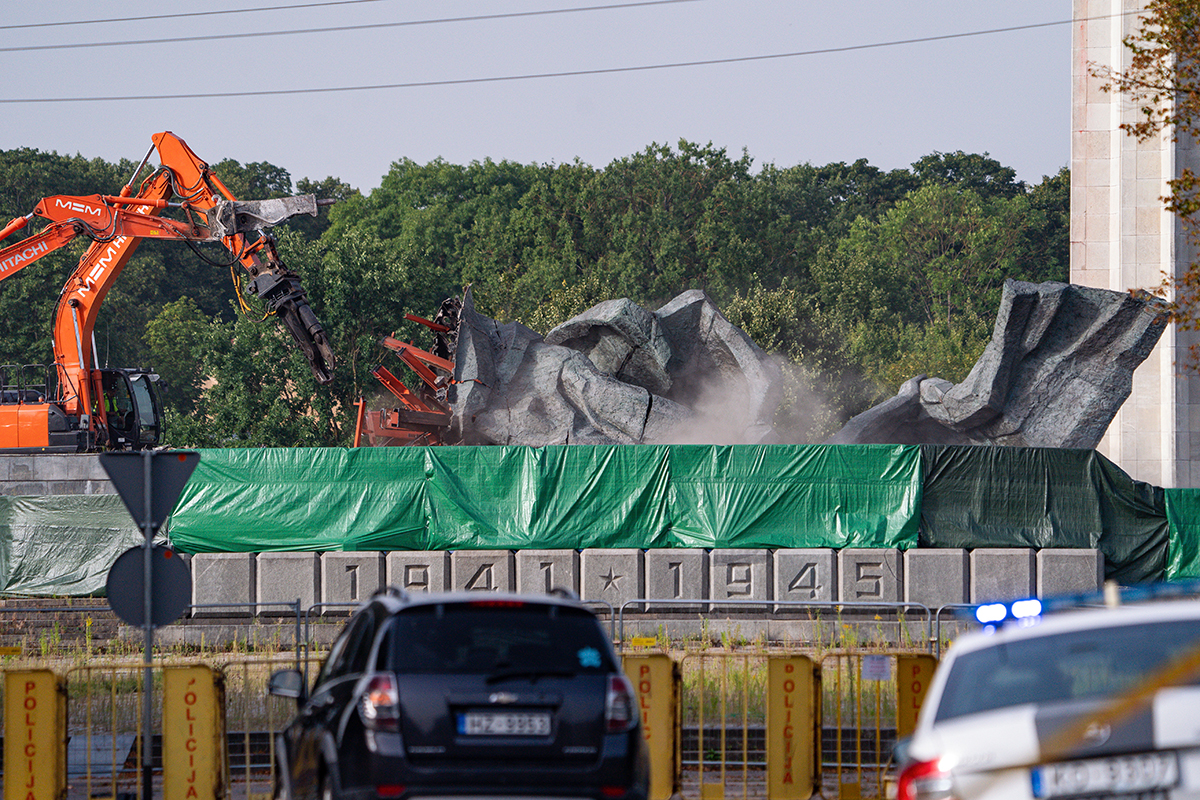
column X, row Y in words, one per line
column 1004, row 93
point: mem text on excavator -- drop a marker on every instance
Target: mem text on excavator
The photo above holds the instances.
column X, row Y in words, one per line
column 72, row 405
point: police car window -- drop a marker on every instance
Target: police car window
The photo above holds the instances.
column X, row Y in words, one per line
column 1068, row 666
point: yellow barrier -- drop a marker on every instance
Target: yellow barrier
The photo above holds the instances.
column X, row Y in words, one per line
column 213, row 721
column 35, row 748
column 655, row 678
column 718, row 724
column 193, row 740
column 749, row 725
column 874, row 698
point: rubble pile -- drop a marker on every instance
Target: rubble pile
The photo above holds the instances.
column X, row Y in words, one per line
column 615, row 374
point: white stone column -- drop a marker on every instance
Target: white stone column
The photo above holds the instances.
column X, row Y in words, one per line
column 1122, row 238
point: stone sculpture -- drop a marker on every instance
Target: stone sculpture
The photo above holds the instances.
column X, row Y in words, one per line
column 616, row 374
column 1059, row 365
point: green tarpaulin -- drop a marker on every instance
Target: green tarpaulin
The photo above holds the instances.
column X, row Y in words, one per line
column 635, row 496
column 464, row 498
column 1044, row 497
column 1183, row 514
column 62, row 544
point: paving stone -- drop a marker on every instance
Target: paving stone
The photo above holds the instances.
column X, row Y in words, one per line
column 677, row 575
column 614, row 576
column 868, row 575
column 283, row 577
column 223, row 578
column 936, row 576
column 1069, row 571
column 419, row 570
column 805, row 574
column 482, row 571
column 349, row 578
column 1002, row 573
column 539, row 571
column 739, row 574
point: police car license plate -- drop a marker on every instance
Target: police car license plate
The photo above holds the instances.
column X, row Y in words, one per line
column 1144, row 772
column 506, row 723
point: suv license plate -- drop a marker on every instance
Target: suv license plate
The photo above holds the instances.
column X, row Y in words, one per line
column 1119, row 775
column 506, row 723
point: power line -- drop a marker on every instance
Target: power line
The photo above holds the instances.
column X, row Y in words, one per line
column 335, row 28
column 177, row 16
column 563, row 74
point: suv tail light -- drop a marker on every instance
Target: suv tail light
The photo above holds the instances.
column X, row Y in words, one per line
column 925, row 780
column 380, row 704
column 620, row 708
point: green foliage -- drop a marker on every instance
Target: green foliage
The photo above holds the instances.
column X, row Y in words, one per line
column 858, row 278
column 177, row 337
column 254, row 181
column 917, row 291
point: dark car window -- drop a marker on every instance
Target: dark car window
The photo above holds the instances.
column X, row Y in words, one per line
column 484, row 637
column 350, row 652
column 1067, row 666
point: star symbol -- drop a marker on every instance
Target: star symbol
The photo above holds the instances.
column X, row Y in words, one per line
column 610, row 580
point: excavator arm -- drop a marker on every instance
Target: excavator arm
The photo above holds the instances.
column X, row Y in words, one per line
column 117, row 224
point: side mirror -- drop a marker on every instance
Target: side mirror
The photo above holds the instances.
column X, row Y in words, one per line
column 287, row 683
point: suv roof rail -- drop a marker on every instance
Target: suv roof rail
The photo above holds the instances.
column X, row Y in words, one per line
column 564, row 593
column 392, row 591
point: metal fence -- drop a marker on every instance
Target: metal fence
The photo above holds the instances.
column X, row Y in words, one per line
column 722, row 732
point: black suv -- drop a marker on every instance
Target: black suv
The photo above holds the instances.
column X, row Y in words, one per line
column 464, row 694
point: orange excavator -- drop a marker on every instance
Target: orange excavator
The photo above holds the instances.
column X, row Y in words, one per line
column 73, row 405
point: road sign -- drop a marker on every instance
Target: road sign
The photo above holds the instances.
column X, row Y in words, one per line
column 169, row 473
column 170, row 577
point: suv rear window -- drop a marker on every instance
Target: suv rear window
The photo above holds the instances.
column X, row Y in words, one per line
column 1067, row 666
column 484, row 637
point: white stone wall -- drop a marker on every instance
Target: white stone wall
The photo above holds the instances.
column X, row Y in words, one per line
column 1121, row 238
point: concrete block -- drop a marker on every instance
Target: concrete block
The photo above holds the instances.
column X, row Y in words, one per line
column 869, row 575
column 539, row 571
column 677, row 575
column 482, row 571
column 1002, row 573
column 349, row 578
column 739, row 574
column 419, row 570
column 805, row 574
column 936, row 576
column 223, row 578
column 284, row 577
column 1069, row 571
column 614, row 576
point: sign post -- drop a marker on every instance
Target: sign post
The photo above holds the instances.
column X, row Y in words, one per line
column 149, row 482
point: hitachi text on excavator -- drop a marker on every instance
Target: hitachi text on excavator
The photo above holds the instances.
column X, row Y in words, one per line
column 73, row 405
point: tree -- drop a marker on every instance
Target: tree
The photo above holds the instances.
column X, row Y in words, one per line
column 917, row 291
column 1163, row 83
column 982, row 174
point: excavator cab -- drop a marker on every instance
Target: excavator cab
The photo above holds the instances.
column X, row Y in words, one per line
column 132, row 408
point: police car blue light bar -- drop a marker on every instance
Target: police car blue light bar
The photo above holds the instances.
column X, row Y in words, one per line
column 1030, row 608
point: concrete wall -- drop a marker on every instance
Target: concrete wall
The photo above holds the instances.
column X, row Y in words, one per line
column 757, row 581
column 1122, row 238
column 748, row 581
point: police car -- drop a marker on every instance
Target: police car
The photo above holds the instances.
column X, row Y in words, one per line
column 1089, row 703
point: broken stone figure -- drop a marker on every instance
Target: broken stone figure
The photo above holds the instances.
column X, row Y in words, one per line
column 1059, row 365
column 615, row 374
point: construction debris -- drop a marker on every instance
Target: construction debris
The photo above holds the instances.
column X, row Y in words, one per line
column 616, row 374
